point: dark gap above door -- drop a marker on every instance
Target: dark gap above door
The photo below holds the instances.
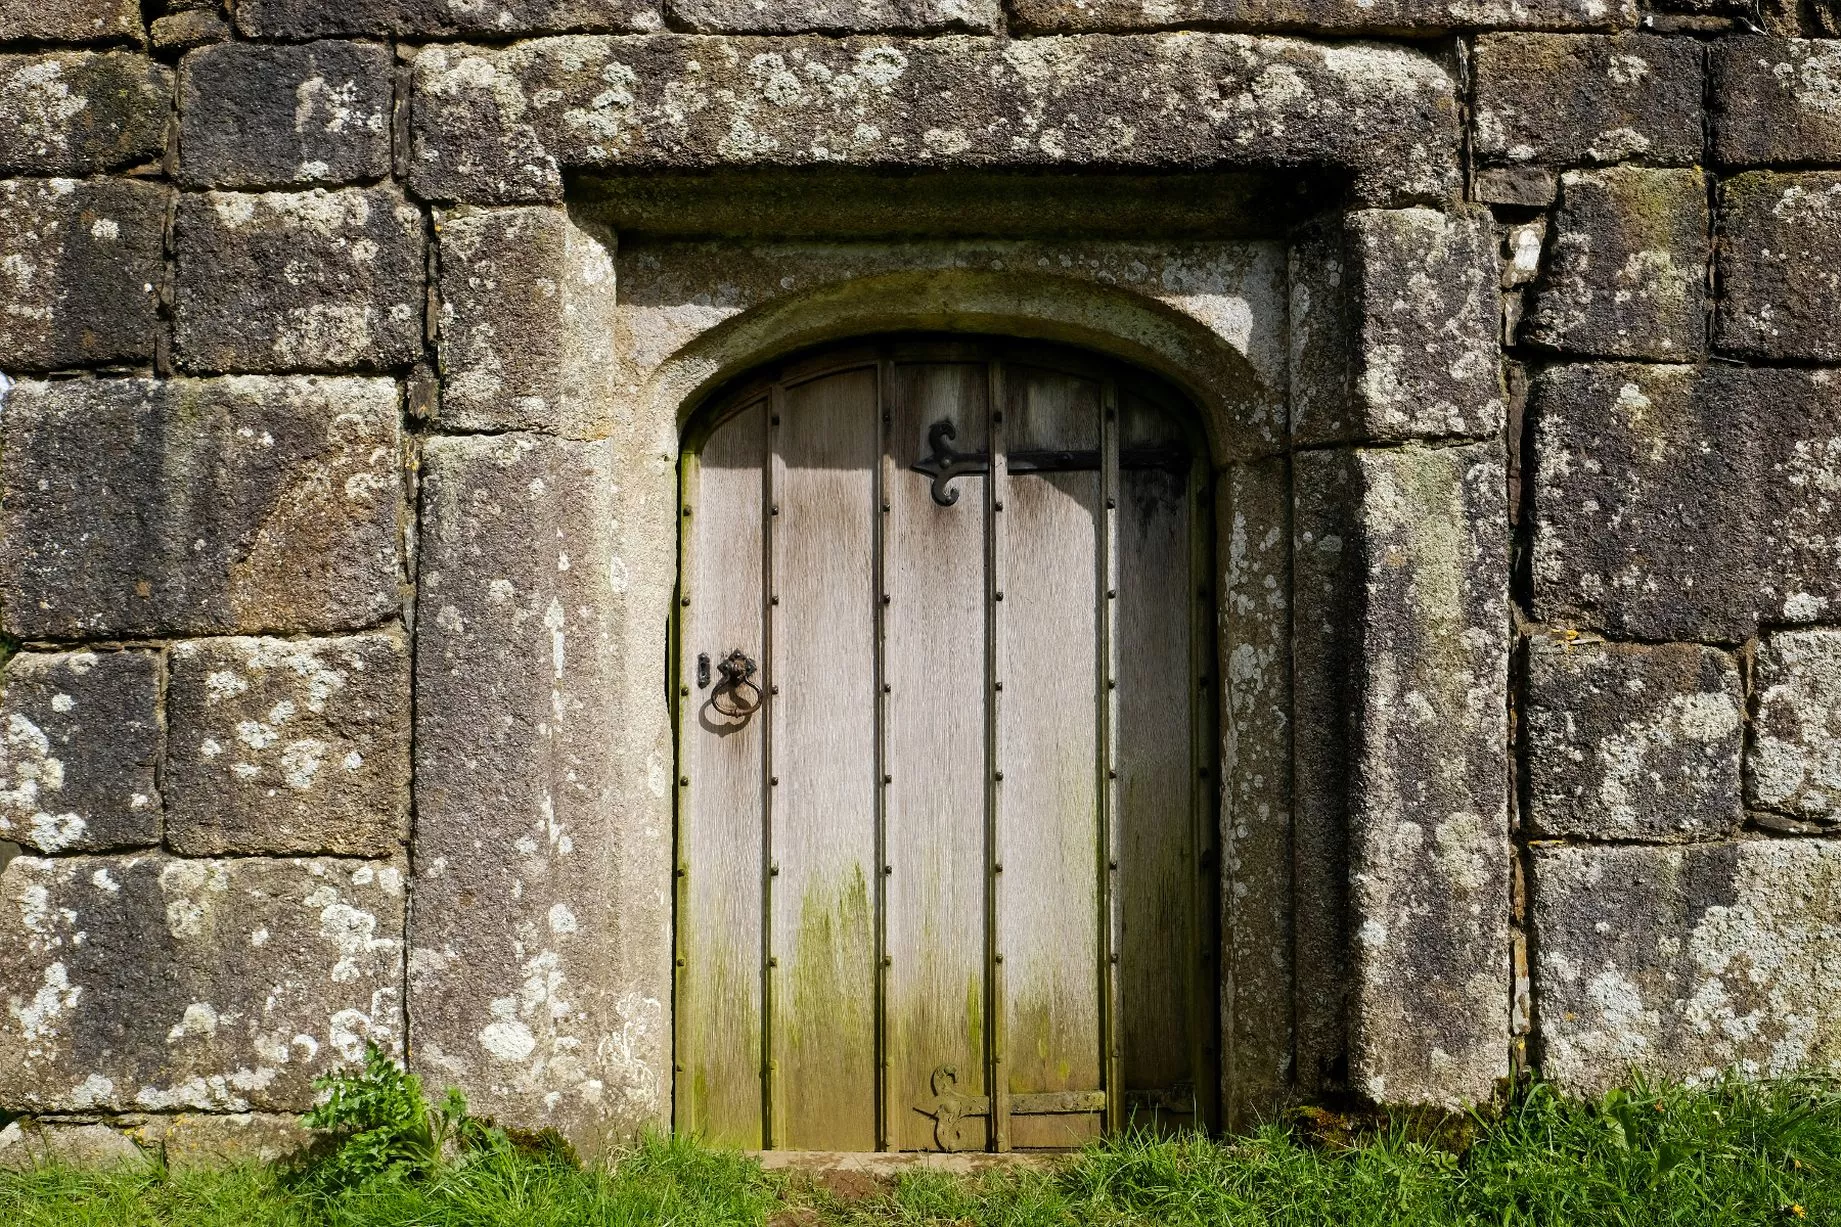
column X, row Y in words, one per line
column 854, row 204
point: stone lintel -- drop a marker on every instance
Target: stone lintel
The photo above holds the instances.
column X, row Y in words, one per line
column 510, row 125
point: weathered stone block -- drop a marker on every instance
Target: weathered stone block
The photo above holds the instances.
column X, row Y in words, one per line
column 1528, row 187
column 1428, row 819
column 186, row 30
column 540, row 951
column 527, row 298
column 196, row 1141
column 1522, row 246
column 503, row 125
column 1379, row 16
column 1394, row 335
column 1776, row 100
column 1685, row 961
column 134, row 507
column 80, row 263
column 272, row 116
column 1559, row 99
column 71, row 21
column 1780, row 264
column 314, row 280
column 1677, row 503
column 1794, row 762
column 1327, row 587
column 1629, row 741
column 81, row 744
column 288, row 745
column 81, row 112
column 27, row 1145
column 154, row 983
column 1256, row 829
column 1628, row 273
column 296, row 19
column 834, row 16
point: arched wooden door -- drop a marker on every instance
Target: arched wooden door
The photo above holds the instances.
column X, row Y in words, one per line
column 946, row 821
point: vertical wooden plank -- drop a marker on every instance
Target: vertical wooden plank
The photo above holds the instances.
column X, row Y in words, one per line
column 885, row 394
column 1161, row 956
column 1207, row 1041
column 773, row 1129
column 1111, row 918
column 1048, row 819
column 996, row 573
column 720, row 852
column 823, row 757
column 935, row 656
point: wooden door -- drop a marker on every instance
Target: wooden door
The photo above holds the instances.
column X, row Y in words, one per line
column 945, row 811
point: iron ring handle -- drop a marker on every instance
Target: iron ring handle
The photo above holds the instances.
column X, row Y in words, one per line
column 727, row 699
column 738, row 670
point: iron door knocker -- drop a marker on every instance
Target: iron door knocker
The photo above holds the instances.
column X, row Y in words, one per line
column 736, row 696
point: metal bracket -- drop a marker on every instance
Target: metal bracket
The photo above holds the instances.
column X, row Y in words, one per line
column 950, row 1108
column 944, row 465
column 1177, row 1100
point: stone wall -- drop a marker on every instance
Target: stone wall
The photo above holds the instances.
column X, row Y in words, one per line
column 336, row 479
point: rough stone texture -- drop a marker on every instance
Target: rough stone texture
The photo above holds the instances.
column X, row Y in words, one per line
column 1676, row 502
column 183, row 31
column 80, row 112
column 26, row 1145
column 1780, row 265
column 1256, row 846
column 526, row 309
column 1555, row 98
column 1522, row 247
column 1685, row 961
column 1627, row 277
column 1793, row 765
column 503, row 125
column 134, row 507
column 1428, row 814
column 313, row 280
column 273, row 116
column 296, row 19
column 1776, row 100
column 1325, row 646
column 288, row 746
column 79, row 266
column 1209, row 313
column 1386, row 16
column 1628, row 741
column 155, row 984
column 1394, row 329
column 540, row 951
column 1529, row 187
column 194, row 1141
column 71, row 21
column 81, row 743
column 834, row 16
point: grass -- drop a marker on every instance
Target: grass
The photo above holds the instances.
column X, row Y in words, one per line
column 1732, row 1154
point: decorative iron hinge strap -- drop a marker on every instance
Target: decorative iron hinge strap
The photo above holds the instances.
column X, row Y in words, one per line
column 950, row 1108
column 945, row 465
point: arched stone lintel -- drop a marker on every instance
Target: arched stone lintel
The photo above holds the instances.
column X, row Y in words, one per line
column 1242, row 411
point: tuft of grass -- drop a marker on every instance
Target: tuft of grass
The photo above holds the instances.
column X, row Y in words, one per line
column 1731, row 1154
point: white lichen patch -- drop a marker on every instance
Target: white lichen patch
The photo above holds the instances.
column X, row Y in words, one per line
column 31, row 779
column 1687, row 962
column 1794, row 765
